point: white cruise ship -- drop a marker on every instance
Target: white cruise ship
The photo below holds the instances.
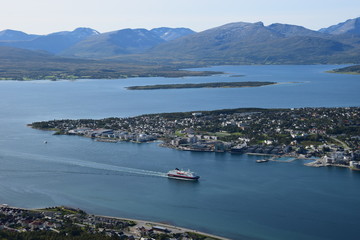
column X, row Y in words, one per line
column 182, row 175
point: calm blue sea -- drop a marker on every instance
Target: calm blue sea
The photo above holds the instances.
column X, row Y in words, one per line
column 236, row 197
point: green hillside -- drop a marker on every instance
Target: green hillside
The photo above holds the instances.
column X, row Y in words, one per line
column 254, row 43
column 21, row 64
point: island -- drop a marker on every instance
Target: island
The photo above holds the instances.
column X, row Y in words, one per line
column 202, row 85
column 63, row 222
column 329, row 136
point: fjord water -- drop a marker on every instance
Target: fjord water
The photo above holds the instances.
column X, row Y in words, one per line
column 235, row 197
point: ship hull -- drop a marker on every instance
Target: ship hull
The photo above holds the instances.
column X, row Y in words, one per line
column 183, row 177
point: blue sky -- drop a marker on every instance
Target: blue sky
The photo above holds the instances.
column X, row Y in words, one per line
column 46, row 16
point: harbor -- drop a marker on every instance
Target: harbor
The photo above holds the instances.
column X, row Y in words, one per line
column 124, row 179
column 235, row 131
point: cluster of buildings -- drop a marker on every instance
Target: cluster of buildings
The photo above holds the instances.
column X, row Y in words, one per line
column 57, row 219
column 341, row 158
column 112, row 135
column 21, row 221
column 311, row 132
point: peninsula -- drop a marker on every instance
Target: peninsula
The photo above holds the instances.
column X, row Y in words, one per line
column 347, row 70
column 202, row 85
column 331, row 135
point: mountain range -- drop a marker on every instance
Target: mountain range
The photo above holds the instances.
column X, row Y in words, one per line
column 89, row 42
column 125, row 41
column 254, row 43
column 233, row 43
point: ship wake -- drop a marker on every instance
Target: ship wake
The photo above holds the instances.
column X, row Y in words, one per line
column 82, row 163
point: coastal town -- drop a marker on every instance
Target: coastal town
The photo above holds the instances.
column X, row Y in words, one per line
column 70, row 223
column 328, row 136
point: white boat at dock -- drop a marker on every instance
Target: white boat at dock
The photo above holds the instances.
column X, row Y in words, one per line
column 262, row 160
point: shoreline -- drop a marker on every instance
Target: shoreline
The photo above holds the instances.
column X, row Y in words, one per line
column 202, row 85
column 144, row 223
column 176, row 74
column 139, row 223
column 273, row 157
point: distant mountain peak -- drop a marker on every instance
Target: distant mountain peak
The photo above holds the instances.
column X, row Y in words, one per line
column 81, row 32
column 54, row 42
column 14, row 35
column 289, row 30
column 124, row 41
column 236, row 25
column 240, row 32
column 351, row 26
column 169, row 34
column 9, row 31
column 86, row 30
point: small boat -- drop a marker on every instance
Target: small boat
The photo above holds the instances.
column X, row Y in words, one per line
column 182, row 175
column 45, row 142
column 262, row 160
